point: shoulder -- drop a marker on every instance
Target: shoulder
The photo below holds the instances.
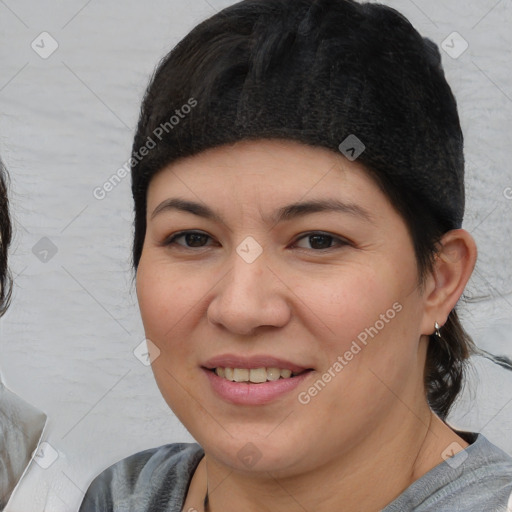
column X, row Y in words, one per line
column 475, row 479
column 153, row 480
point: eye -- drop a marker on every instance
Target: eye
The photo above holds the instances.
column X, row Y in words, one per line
column 196, row 239
column 193, row 239
column 322, row 241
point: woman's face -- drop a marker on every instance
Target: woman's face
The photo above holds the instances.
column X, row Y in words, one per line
column 258, row 283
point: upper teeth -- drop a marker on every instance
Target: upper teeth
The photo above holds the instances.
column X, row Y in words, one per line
column 255, row 375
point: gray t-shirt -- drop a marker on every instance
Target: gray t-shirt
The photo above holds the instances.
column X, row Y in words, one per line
column 477, row 479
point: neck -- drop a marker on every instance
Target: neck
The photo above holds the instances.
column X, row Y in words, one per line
column 369, row 476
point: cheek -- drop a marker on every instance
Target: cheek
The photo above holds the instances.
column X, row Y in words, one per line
column 349, row 302
column 167, row 296
column 372, row 319
column 154, row 301
column 167, row 308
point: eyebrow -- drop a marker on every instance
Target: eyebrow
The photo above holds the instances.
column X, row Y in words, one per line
column 284, row 213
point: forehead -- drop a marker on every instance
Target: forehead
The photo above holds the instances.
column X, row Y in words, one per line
column 265, row 170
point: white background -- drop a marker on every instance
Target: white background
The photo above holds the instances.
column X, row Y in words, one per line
column 66, row 125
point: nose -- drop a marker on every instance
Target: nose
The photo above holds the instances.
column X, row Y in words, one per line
column 250, row 296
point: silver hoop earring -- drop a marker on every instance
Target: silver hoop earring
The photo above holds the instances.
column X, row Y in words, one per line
column 438, row 332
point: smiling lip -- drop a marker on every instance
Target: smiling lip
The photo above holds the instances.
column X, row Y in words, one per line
column 248, row 393
column 233, row 361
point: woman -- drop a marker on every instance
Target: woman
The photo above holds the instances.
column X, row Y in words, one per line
column 298, row 182
column 21, row 424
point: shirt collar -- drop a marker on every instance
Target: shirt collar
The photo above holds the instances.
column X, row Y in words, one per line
column 21, row 430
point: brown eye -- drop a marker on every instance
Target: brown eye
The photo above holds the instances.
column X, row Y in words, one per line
column 192, row 239
column 321, row 241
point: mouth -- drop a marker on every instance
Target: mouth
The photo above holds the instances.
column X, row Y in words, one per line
column 254, row 381
column 256, row 369
column 256, row 375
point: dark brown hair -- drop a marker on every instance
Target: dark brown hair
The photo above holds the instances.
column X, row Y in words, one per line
column 5, row 240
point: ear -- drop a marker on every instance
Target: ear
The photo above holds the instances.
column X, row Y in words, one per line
column 451, row 271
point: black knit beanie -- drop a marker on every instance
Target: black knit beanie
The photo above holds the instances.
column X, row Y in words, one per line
column 331, row 73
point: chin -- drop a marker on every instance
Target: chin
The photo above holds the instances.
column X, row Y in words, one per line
column 250, row 454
